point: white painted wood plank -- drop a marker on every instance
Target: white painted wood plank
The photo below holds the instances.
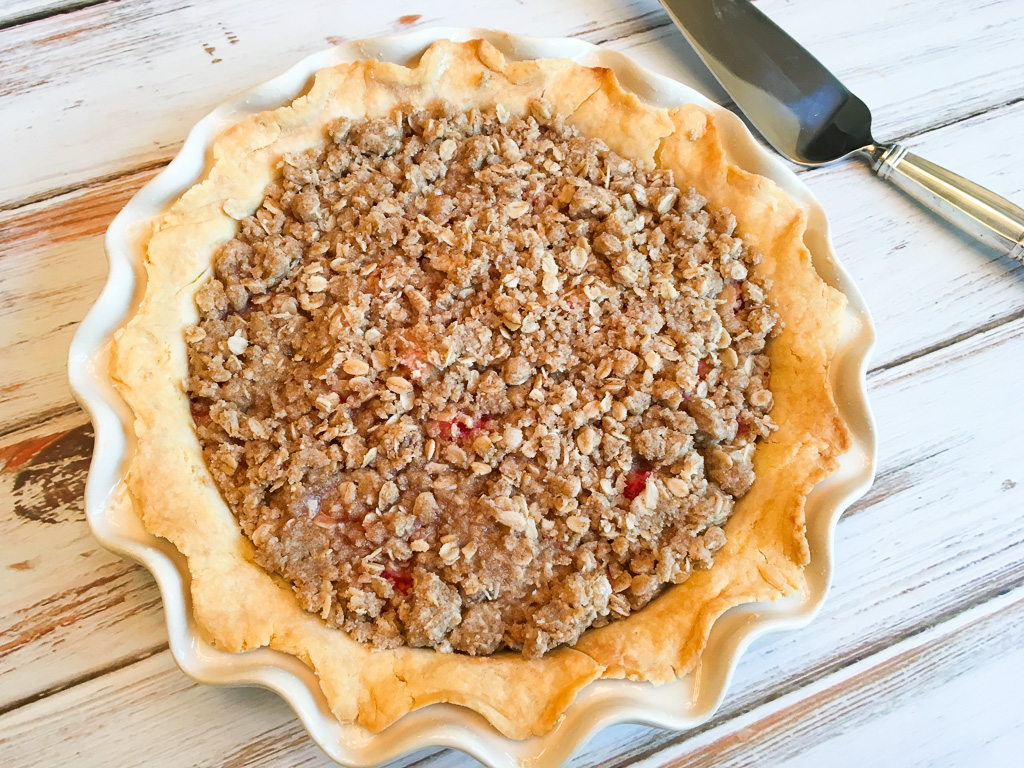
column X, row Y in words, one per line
column 149, row 711
column 52, row 267
column 128, row 80
column 944, row 725
column 44, row 311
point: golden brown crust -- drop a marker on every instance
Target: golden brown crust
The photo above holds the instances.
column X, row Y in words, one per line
column 240, row 606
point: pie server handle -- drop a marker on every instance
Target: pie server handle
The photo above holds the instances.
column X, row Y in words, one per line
column 979, row 212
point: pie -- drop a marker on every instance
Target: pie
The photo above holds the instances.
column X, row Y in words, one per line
column 475, row 381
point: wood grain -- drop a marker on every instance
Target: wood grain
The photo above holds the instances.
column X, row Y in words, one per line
column 52, row 267
column 925, row 281
column 177, row 63
column 68, row 609
column 890, row 705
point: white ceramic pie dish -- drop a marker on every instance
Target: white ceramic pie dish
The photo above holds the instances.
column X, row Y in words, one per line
column 679, row 705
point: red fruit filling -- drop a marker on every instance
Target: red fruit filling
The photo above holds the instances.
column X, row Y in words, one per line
column 416, row 362
column 575, row 301
column 540, row 201
column 636, row 481
column 733, row 291
column 200, row 411
column 401, row 581
column 458, row 430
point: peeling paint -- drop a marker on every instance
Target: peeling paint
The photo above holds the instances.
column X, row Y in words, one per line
column 46, row 482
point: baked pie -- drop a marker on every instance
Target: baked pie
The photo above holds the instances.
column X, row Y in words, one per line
column 475, row 381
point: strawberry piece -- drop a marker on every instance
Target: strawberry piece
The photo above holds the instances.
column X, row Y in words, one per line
column 200, row 411
column 415, row 360
column 400, row 580
column 412, row 354
column 540, row 201
column 452, row 430
column 457, row 430
column 636, row 481
column 703, row 367
column 575, row 301
column 734, row 294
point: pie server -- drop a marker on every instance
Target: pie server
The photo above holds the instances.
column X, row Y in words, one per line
column 806, row 114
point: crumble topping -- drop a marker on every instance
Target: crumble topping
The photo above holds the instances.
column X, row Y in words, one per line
column 474, row 381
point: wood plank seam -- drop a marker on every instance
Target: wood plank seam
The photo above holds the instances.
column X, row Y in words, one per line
column 892, row 480
column 71, row 7
column 76, row 681
column 635, row 25
column 968, row 116
column 939, row 346
column 12, row 429
column 98, row 181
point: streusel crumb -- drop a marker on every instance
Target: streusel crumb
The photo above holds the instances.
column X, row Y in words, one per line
column 474, row 381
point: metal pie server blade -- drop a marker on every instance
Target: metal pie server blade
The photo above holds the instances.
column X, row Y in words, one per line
column 809, row 116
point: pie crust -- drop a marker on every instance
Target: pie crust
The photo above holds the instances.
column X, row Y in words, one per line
column 239, row 606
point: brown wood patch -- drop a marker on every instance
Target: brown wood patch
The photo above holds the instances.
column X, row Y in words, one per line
column 67, row 608
column 13, row 456
column 45, row 476
column 82, row 214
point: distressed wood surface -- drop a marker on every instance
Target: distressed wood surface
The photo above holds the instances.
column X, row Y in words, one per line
column 926, row 617
column 51, row 255
column 165, row 67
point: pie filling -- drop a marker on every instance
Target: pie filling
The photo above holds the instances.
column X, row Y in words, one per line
column 474, row 381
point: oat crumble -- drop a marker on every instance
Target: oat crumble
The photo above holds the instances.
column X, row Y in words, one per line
column 474, row 381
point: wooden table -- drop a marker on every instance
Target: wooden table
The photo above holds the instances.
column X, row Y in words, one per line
column 918, row 655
